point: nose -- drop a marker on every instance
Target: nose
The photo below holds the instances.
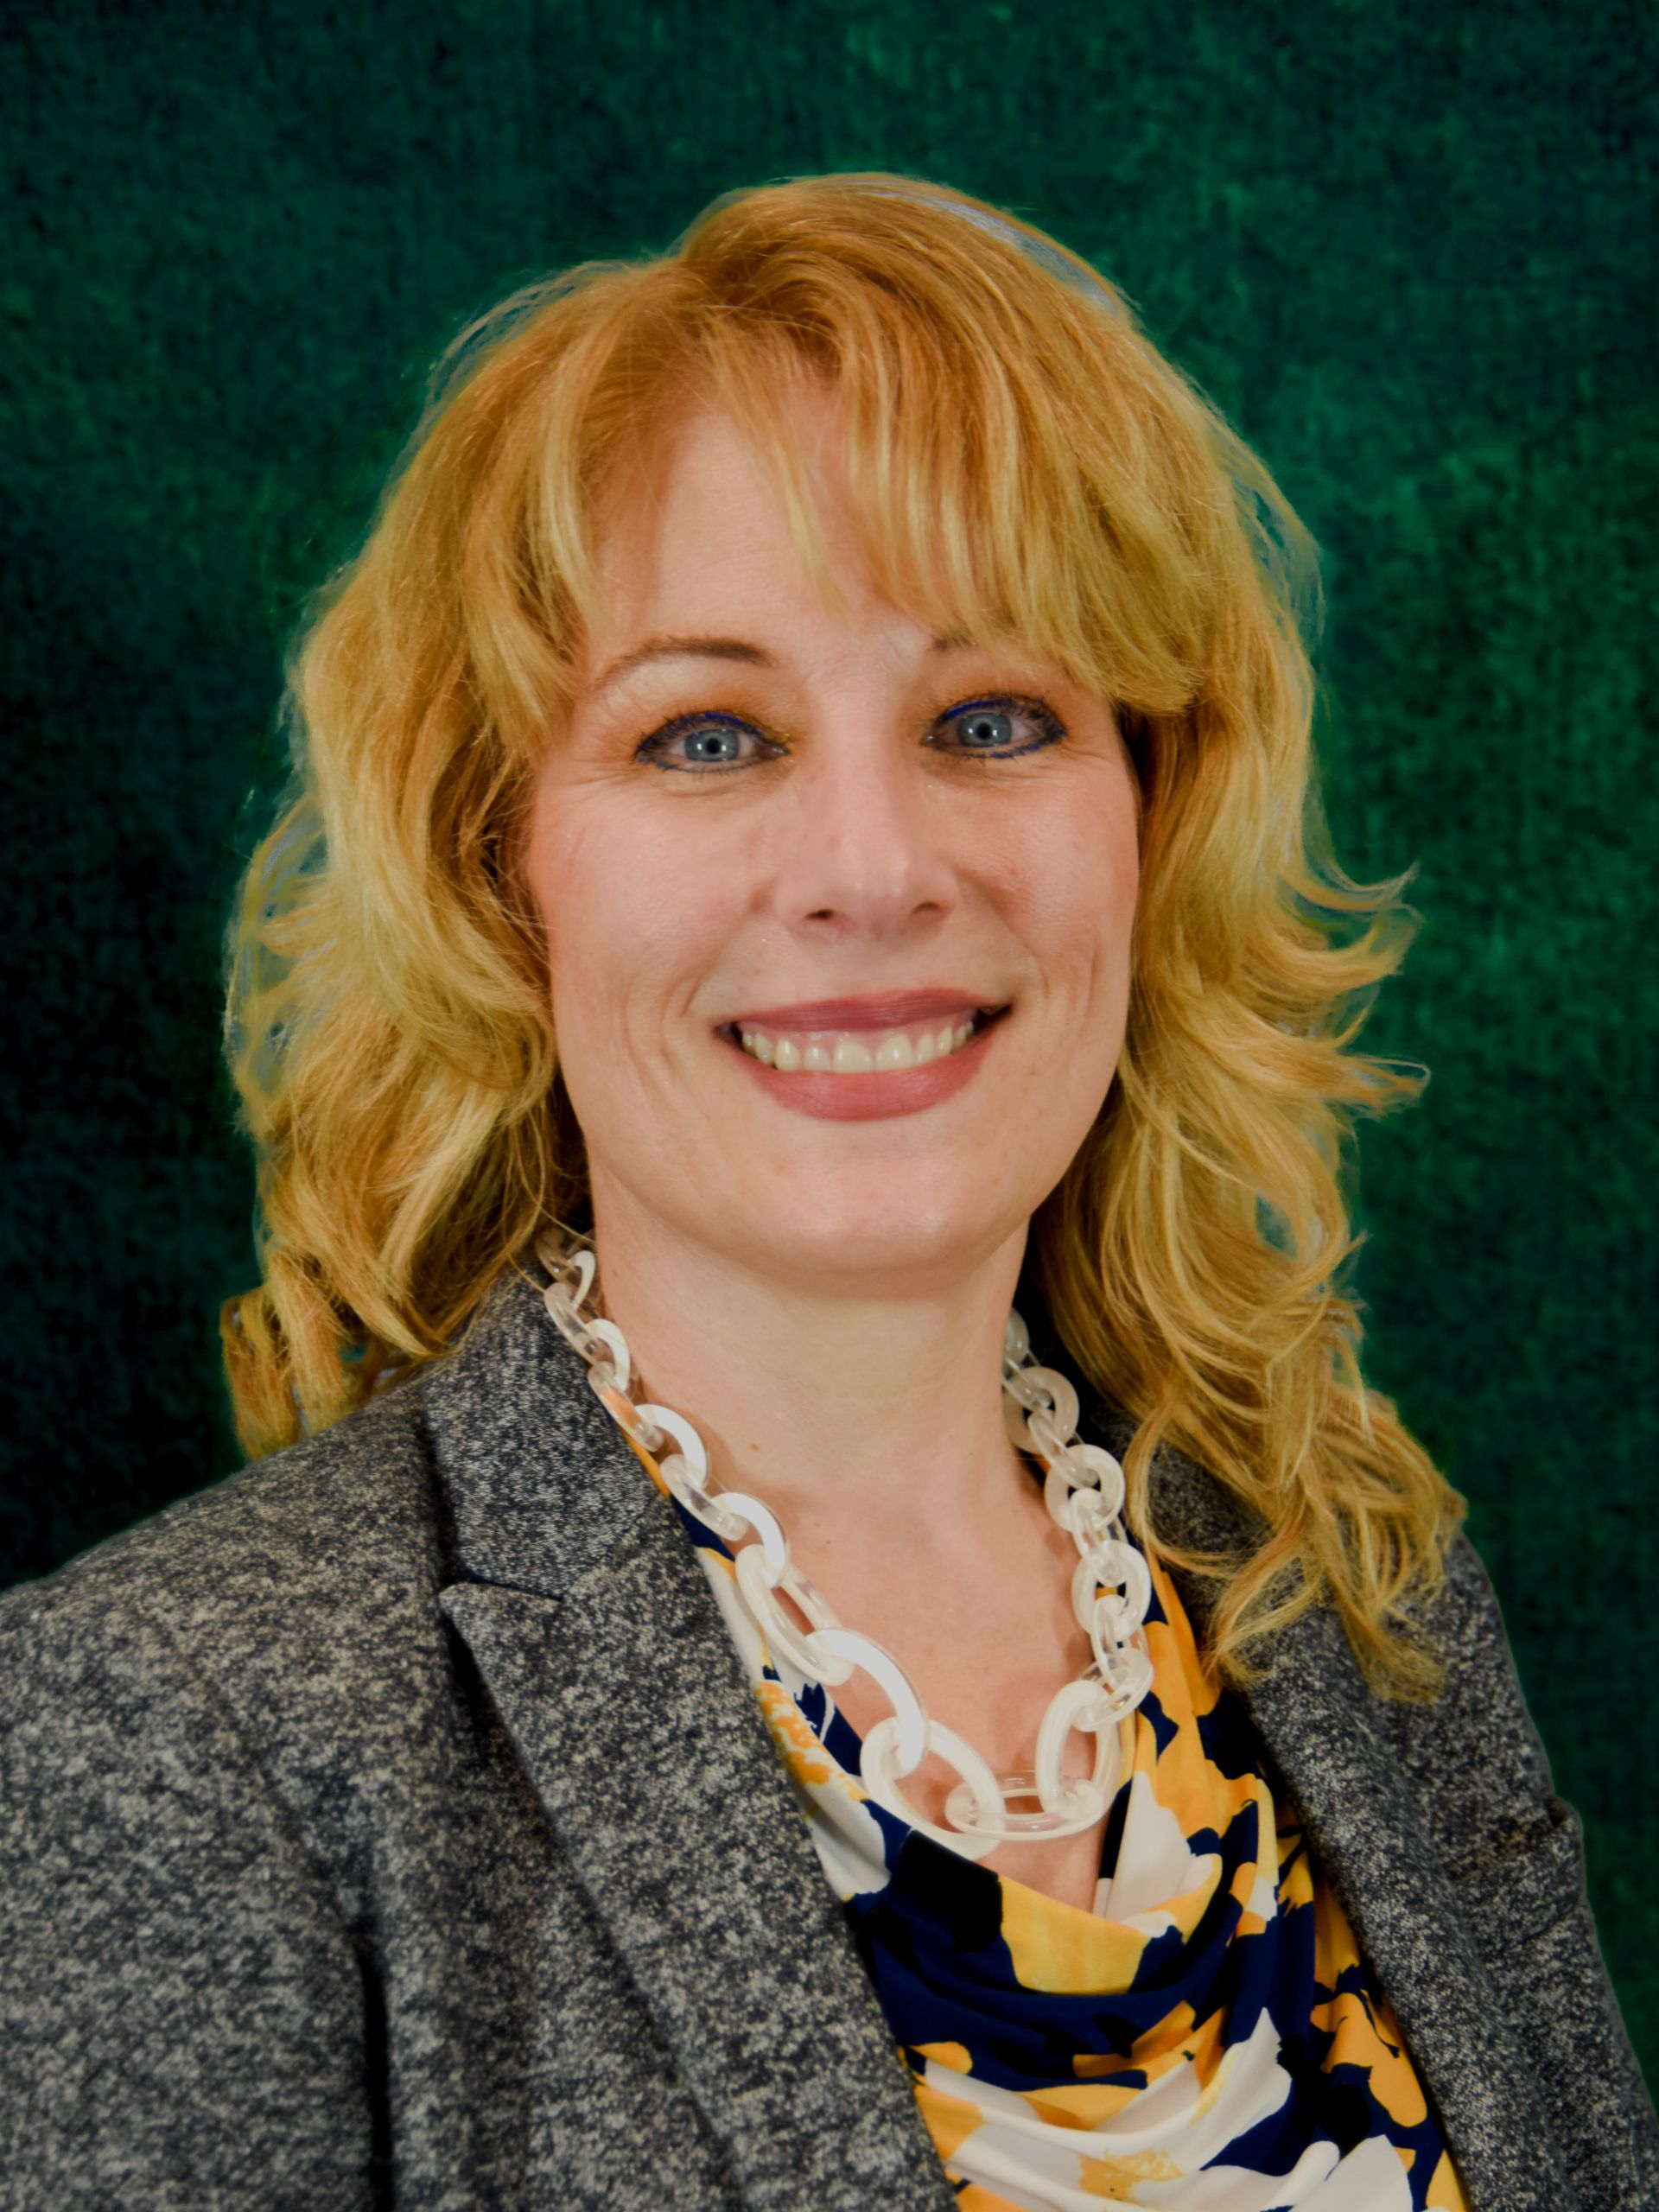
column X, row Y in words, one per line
column 865, row 854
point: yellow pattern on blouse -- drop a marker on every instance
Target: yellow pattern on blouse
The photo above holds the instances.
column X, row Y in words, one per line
column 1206, row 2039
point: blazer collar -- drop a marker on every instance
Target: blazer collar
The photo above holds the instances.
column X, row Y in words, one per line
column 600, row 1641
column 542, row 1483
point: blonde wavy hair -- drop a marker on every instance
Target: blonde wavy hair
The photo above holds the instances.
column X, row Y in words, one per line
column 1021, row 461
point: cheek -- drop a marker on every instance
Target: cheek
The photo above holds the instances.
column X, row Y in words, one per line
column 629, row 925
column 1076, row 877
column 1083, row 920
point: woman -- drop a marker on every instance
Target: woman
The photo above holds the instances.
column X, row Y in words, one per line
column 822, row 1618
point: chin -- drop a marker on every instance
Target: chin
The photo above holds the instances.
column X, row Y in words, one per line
column 881, row 1231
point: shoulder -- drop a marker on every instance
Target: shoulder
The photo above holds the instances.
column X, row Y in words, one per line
column 261, row 1597
column 1514, row 1852
column 1470, row 1758
column 1462, row 1781
column 1475, row 1751
column 305, row 1515
column 1461, row 1784
column 188, row 1724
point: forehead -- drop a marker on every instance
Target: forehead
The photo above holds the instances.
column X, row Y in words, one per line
column 694, row 557
column 699, row 563
column 692, row 514
column 776, row 525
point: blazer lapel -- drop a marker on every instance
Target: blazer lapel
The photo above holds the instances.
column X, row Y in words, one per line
column 1363, row 1823
column 595, row 1630
column 1315, row 1716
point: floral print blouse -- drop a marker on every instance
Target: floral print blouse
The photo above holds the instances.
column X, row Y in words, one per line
column 1206, row 2039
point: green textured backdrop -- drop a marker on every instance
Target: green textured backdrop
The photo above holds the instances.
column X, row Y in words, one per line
column 1407, row 248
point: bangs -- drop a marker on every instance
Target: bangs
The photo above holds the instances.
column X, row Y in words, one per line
column 1019, row 465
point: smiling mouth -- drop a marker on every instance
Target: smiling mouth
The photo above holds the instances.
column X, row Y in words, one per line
column 858, row 1052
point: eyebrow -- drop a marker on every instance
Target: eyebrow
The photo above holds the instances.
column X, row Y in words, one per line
column 736, row 648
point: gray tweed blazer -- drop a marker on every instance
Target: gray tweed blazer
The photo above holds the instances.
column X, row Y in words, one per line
column 390, row 1825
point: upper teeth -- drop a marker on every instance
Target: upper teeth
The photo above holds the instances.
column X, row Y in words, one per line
column 852, row 1052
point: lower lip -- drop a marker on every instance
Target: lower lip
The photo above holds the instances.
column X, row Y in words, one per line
column 876, row 1096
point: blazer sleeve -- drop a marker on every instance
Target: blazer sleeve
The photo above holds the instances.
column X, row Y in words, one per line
column 1514, row 1851
column 182, row 2007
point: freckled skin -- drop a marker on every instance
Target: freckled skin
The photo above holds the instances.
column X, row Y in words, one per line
column 827, row 1298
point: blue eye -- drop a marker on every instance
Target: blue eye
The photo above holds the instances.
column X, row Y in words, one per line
column 712, row 742
column 991, row 726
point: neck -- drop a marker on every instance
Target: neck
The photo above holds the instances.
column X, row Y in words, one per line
column 874, row 1400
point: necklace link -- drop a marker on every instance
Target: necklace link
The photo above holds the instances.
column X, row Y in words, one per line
column 1083, row 1491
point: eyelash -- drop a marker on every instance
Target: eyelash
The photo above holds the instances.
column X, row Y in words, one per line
column 653, row 746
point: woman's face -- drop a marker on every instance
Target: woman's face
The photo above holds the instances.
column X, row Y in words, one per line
column 845, row 840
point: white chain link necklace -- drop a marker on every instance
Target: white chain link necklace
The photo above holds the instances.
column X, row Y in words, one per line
column 1110, row 1590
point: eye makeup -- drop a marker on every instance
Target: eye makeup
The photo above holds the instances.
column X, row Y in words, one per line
column 723, row 725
